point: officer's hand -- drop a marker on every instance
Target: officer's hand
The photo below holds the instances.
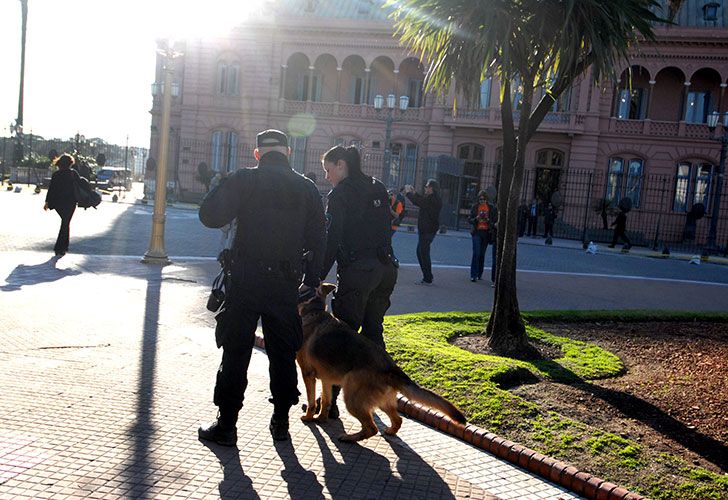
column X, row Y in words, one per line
column 45, row 206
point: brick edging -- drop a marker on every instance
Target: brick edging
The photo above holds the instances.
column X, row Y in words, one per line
column 548, row 468
column 558, row 472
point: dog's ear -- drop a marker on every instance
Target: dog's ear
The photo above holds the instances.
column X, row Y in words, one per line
column 327, row 288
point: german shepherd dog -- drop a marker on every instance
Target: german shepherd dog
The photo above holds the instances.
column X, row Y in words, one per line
column 336, row 354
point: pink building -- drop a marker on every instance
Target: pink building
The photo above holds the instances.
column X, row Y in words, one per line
column 315, row 69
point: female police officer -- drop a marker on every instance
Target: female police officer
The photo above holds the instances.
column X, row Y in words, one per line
column 359, row 240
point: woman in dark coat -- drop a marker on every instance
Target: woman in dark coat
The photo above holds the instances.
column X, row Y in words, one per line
column 61, row 198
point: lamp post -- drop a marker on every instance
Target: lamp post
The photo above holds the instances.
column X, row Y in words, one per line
column 389, row 120
column 157, row 254
column 713, row 118
column 18, row 127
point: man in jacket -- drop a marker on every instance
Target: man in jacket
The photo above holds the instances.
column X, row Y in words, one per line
column 428, row 223
column 279, row 215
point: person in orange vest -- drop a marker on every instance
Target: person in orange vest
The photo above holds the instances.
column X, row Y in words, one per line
column 483, row 219
column 396, row 207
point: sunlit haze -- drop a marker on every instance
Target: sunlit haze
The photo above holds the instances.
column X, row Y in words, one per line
column 90, row 63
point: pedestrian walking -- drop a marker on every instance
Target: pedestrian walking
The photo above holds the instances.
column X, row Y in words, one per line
column 620, row 229
column 61, row 198
column 482, row 219
column 533, row 219
column 359, row 240
column 279, row 215
column 428, row 223
column 549, row 217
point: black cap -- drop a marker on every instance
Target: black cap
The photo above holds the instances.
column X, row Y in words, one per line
column 432, row 183
column 271, row 138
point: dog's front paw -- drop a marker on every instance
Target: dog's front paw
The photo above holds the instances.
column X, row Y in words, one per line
column 307, row 418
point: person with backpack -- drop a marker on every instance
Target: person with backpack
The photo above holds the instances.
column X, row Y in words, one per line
column 61, row 198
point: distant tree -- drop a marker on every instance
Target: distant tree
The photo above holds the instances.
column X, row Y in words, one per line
column 544, row 45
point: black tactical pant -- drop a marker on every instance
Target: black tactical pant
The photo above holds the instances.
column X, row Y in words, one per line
column 273, row 301
column 362, row 296
column 65, row 212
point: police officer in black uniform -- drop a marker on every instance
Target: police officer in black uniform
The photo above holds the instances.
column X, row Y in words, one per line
column 359, row 239
column 279, row 215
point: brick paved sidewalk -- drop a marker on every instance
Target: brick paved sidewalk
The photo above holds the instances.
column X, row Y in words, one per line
column 108, row 367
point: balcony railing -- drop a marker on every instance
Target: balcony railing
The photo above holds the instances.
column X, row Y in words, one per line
column 345, row 110
column 660, row 129
column 491, row 118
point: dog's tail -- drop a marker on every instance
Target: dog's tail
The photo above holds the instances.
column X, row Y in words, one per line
column 414, row 392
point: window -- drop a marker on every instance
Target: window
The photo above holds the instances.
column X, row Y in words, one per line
column 224, row 154
column 632, row 104
column 402, row 165
column 227, row 78
column 485, row 86
column 614, row 179
column 693, row 183
column 357, row 90
column 710, row 11
column 516, row 93
column 696, row 110
column 634, row 181
column 621, row 186
column 303, row 87
column 414, row 91
column 298, row 152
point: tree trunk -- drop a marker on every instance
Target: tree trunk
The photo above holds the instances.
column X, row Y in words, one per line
column 505, row 330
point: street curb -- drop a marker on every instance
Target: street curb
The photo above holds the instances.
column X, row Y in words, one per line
column 561, row 473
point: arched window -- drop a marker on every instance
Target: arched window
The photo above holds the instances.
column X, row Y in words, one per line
column 228, row 78
column 692, row 184
column 624, row 179
column 224, row 151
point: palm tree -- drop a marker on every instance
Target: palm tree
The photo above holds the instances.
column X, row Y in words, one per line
column 545, row 45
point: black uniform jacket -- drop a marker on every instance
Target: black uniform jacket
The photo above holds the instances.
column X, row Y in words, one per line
column 60, row 190
column 359, row 220
column 279, row 216
column 428, row 220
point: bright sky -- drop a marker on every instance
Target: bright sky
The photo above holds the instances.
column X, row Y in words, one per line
column 90, row 63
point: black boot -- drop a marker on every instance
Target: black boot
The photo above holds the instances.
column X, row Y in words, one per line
column 279, row 428
column 333, row 409
column 218, row 433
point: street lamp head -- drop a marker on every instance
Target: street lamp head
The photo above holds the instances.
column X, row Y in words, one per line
column 155, row 89
column 390, row 101
column 378, row 101
column 175, row 89
column 713, row 120
column 403, row 102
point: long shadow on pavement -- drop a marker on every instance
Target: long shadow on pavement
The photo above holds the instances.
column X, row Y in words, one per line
column 368, row 474
column 235, row 484
column 143, row 430
column 46, row 272
column 636, row 408
column 302, row 484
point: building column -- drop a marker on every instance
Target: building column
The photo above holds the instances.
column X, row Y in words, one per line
column 282, row 92
column 396, row 81
column 649, row 99
column 338, row 84
column 721, row 96
column 367, row 83
column 686, row 91
column 310, row 83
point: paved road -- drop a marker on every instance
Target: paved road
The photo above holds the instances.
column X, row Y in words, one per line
column 549, row 277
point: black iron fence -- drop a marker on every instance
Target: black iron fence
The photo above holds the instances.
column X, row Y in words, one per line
column 583, row 212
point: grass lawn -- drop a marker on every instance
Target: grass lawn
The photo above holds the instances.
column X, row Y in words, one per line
column 478, row 385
